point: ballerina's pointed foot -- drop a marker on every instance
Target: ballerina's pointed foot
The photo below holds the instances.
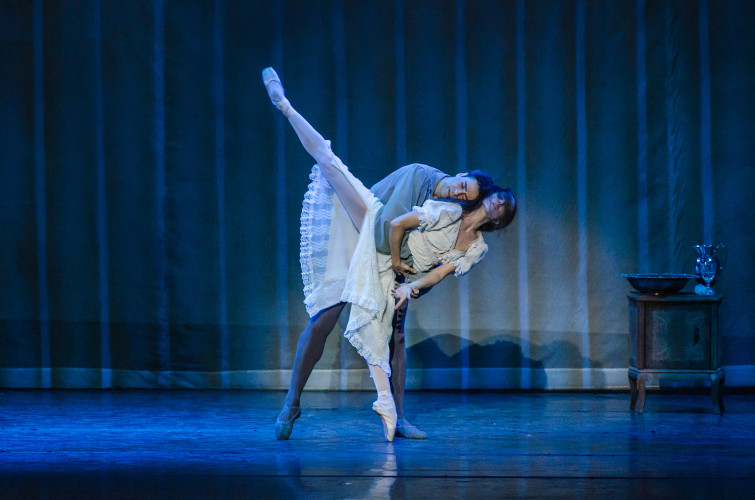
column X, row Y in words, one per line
column 387, row 411
column 285, row 422
column 275, row 89
column 406, row 430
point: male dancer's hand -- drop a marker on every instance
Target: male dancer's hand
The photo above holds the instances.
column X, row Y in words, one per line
column 402, row 269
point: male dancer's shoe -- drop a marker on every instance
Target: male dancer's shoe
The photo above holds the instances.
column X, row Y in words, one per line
column 284, row 427
column 406, row 430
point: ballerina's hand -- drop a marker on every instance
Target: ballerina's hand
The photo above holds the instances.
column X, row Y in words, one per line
column 402, row 269
column 415, row 291
column 403, row 293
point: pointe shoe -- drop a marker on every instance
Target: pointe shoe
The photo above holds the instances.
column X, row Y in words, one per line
column 283, row 428
column 387, row 412
column 406, row 430
column 274, row 87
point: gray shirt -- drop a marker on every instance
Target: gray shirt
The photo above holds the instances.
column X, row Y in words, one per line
column 402, row 190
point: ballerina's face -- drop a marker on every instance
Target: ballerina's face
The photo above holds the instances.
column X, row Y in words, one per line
column 495, row 206
column 459, row 187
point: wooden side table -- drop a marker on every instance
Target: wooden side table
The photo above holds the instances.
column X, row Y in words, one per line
column 674, row 337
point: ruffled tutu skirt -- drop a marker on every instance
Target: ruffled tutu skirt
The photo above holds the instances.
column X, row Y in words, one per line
column 341, row 264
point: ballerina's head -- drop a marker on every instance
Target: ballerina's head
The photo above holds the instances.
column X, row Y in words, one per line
column 500, row 206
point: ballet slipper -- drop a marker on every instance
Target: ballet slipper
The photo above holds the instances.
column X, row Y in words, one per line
column 386, row 409
column 274, row 87
column 406, row 430
column 284, row 427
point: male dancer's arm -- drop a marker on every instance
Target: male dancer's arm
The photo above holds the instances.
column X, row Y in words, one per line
column 400, row 192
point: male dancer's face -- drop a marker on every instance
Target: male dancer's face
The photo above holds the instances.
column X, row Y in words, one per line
column 458, row 187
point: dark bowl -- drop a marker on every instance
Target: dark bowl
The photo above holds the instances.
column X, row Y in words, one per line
column 658, row 283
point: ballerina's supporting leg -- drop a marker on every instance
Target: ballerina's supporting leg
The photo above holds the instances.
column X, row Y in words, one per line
column 384, row 406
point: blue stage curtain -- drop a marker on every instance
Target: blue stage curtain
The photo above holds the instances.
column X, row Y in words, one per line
column 150, row 193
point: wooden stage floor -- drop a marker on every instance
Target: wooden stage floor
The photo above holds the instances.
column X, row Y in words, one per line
column 221, row 444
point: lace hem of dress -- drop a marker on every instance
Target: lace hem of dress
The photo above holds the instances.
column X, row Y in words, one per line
column 352, row 335
column 314, row 235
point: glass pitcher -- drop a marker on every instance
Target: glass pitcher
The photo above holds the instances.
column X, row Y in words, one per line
column 706, row 256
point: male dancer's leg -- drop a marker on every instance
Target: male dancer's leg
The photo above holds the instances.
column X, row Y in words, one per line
column 308, row 352
column 398, row 374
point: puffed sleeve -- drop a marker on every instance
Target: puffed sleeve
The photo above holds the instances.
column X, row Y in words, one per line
column 472, row 256
column 434, row 214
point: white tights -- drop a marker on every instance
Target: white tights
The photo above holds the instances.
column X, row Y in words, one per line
column 383, row 386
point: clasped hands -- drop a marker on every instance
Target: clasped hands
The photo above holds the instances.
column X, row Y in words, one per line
column 402, row 291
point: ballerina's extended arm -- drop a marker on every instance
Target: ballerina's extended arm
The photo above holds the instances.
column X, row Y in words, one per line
column 405, row 291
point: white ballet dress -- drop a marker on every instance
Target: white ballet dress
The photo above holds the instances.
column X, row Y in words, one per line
column 341, row 264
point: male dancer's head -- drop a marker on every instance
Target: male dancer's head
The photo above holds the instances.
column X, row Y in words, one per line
column 468, row 189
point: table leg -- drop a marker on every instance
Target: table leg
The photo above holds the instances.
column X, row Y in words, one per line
column 632, row 391
column 716, row 390
column 641, row 380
